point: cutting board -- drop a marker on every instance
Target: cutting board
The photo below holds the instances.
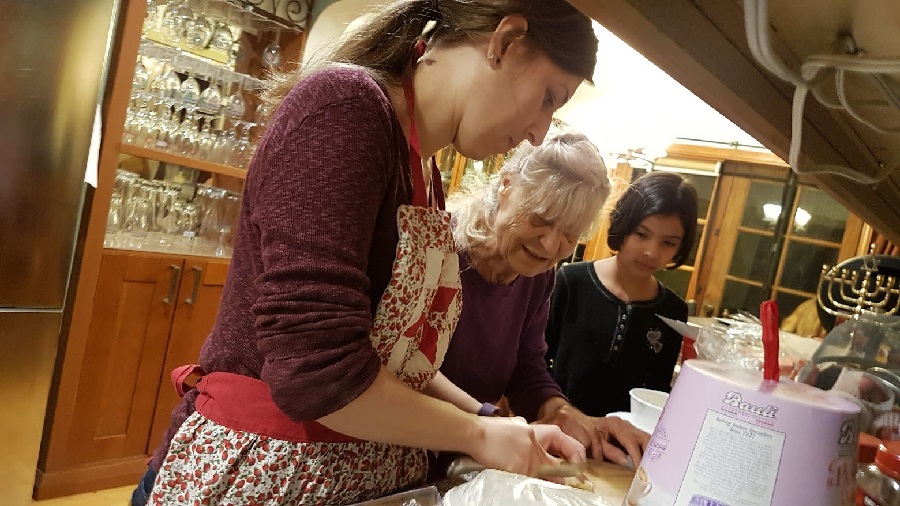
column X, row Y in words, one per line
column 610, row 481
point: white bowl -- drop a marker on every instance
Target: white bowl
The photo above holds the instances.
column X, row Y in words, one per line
column 646, row 406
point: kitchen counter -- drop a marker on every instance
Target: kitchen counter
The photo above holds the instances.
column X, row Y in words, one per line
column 610, row 481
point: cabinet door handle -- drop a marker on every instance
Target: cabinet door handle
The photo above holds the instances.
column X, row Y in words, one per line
column 173, row 284
column 198, row 273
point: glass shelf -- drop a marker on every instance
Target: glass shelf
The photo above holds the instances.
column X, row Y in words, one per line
column 184, row 161
column 153, row 47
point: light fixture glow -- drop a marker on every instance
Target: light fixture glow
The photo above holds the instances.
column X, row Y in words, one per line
column 771, row 212
column 801, row 217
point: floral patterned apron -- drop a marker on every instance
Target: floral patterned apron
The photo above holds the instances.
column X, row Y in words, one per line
column 239, row 448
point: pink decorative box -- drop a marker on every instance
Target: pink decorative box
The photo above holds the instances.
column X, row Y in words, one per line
column 729, row 438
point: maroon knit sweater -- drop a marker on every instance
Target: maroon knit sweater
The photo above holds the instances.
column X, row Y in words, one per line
column 314, row 248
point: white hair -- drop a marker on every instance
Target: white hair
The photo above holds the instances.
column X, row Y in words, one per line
column 564, row 181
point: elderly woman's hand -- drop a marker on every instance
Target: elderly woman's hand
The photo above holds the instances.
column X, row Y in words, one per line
column 598, row 435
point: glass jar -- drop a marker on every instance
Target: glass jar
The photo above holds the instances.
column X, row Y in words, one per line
column 878, row 484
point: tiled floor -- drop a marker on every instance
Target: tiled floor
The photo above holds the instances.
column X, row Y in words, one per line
column 112, row 497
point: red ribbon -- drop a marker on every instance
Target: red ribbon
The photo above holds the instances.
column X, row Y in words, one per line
column 768, row 315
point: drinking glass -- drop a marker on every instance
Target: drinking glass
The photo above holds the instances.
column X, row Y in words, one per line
column 139, row 218
column 177, row 20
column 200, row 32
column 240, row 153
column 188, row 222
column 190, row 88
column 271, row 55
column 229, row 206
column 222, row 38
column 205, row 139
column 234, row 104
column 211, row 98
column 141, row 75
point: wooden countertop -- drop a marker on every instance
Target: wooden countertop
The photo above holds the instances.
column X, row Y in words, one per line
column 610, row 481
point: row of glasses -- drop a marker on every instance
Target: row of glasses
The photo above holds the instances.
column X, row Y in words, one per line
column 149, row 213
column 183, row 117
column 153, row 215
column 158, row 70
column 184, row 129
column 198, row 26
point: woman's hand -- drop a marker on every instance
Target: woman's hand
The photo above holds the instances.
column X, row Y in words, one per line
column 558, row 443
column 510, row 444
column 598, row 434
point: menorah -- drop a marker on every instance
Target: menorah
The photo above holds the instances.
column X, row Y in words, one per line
column 859, row 292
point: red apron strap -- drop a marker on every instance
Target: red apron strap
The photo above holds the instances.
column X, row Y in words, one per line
column 437, row 187
column 180, row 374
column 245, row 404
column 420, row 197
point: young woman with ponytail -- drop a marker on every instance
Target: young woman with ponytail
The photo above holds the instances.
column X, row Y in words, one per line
column 344, row 285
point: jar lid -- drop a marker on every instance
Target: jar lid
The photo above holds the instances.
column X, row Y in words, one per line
column 868, row 447
column 888, row 459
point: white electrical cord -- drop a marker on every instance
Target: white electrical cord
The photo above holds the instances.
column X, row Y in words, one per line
column 756, row 24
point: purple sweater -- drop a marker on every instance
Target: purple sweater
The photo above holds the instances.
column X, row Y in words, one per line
column 314, row 248
column 498, row 347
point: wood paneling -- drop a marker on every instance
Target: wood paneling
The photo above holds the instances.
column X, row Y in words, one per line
column 89, row 478
column 731, row 195
column 619, row 178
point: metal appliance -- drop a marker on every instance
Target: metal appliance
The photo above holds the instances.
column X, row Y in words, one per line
column 53, row 62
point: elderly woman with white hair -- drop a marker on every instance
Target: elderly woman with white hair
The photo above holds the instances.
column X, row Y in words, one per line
column 511, row 233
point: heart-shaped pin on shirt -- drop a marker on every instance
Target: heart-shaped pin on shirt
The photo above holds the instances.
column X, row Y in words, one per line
column 654, row 339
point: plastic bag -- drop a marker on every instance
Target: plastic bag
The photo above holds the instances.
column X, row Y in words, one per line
column 427, row 496
column 499, row 487
column 740, row 343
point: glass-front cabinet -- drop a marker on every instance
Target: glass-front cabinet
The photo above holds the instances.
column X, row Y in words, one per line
column 752, row 261
column 459, row 173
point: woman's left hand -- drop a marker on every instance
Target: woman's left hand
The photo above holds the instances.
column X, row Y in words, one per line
column 598, row 434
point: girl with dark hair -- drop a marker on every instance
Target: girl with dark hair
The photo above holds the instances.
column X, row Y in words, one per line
column 344, row 287
column 603, row 335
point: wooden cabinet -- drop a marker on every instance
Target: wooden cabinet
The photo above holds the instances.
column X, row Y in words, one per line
column 151, row 313
column 195, row 313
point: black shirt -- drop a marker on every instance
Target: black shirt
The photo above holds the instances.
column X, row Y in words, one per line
column 601, row 347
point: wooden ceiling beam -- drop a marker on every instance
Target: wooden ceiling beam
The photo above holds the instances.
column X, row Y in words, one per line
column 702, row 45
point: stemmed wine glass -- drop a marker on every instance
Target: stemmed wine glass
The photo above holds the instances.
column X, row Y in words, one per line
column 234, row 105
column 271, row 55
column 240, row 153
column 200, row 32
column 211, row 98
column 222, row 38
column 190, row 88
column 177, row 20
